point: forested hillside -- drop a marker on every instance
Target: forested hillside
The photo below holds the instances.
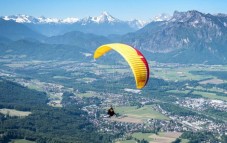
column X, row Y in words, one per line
column 45, row 124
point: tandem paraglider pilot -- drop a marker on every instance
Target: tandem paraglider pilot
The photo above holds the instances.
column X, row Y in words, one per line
column 111, row 112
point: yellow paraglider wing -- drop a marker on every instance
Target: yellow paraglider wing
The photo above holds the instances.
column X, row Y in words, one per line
column 135, row 59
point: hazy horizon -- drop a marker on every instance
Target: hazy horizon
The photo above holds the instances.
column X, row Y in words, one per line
column 126, row 9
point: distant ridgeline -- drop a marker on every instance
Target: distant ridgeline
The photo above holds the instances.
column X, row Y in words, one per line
column 45, row 124
column 187, row 37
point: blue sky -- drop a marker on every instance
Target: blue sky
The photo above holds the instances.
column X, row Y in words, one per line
column 122, row 9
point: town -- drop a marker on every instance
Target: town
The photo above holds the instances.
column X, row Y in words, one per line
column 134, row 111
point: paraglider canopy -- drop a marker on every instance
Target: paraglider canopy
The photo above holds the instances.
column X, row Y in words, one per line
column 134, row 57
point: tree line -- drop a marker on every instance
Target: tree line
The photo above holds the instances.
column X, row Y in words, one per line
column 46, row 124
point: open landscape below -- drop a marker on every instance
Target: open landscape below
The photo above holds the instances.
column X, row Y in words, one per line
column 54, row 89
column 178, row 98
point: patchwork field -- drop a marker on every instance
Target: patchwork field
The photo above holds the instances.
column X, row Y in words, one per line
column 136, row 115
column 210, row 95
column 202, row 93
column 165, row 137
column 213, row 89
column 175, row 72
column 162, row 137
column 142, row 136
column 212, row 81
column 127, row 141
column 178, row 74
column 179, row 91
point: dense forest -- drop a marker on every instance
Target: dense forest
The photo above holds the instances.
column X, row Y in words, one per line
column 203, row 136
column 45, row 124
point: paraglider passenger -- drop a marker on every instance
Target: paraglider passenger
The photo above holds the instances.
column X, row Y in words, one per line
column 111, row 112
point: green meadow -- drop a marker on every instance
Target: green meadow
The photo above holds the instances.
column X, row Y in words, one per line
column 146, row 112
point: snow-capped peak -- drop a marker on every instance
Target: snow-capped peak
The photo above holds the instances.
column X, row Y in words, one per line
column 56, row 20
column 48, row 20
column 21, row 18
column 161, row 17
column 70, row 20
column 137, row 24
column 104, row 17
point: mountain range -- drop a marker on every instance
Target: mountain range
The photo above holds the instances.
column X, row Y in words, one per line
column 186, row 37
column 54, row 26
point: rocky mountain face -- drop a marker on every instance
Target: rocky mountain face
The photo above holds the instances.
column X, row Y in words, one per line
column 186, row 33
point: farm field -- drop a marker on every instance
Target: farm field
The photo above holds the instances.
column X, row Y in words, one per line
column 178, row 74
column 12, row 112
column 141, row 136
column 162, row 137
column 165, row 137
column 202, row 93
column 200, row 88
column 212, row 81
column 143, row 113
column 179, row 91
column 210, row 95
column 173, row 72
column 21, row 141
column 127, row 141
